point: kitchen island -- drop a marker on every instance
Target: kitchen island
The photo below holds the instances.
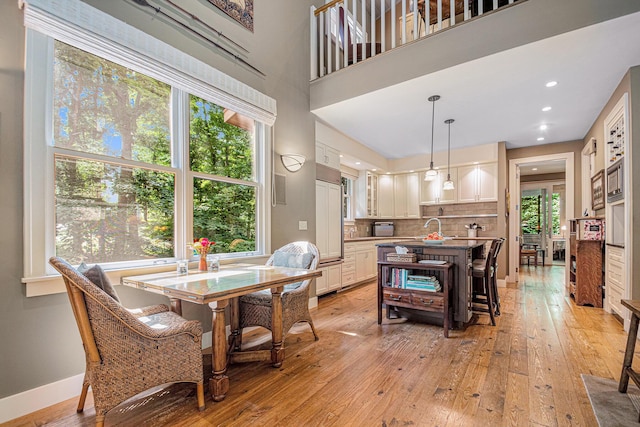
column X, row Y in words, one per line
column 460, row 253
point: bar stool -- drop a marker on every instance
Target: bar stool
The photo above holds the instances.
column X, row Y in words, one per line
column 485, row 270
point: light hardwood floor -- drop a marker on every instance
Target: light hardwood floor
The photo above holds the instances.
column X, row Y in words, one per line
column 524, row 371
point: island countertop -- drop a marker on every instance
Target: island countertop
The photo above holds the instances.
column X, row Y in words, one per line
column 448, row 244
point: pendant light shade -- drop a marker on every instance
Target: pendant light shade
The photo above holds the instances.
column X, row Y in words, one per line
column 431, row 172
column 448, row 184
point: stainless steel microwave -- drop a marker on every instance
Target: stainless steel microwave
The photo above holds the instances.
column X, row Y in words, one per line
column 615, row 182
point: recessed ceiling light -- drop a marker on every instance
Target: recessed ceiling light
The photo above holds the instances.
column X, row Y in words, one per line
column 373, row 170
column 341, row 156
column 534, row 169
column 551, row 83
column 388, row 173
column 541, row 139
column 543, row 127
column 357, row 163
column 411, row 170
column 475, row 163
column 546, row 108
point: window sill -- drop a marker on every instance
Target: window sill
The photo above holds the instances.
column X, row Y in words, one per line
column 53, row 284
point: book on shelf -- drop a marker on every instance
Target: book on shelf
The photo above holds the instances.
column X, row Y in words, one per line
column 404, row 279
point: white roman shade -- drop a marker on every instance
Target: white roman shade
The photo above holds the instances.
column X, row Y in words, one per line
column 83, row 26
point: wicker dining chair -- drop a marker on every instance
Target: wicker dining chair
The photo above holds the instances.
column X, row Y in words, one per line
column 130, row 351
column 255, row 308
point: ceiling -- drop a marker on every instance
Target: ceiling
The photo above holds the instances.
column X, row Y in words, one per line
column 541, row 168
column 499, row 97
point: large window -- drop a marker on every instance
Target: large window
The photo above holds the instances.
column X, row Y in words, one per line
column 138, row 167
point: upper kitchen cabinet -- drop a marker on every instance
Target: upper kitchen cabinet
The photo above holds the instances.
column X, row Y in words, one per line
column 327, row 156
column 386, row 196
column 406, row 192
column 478, row 183
column 431, row 192
column 367, row 195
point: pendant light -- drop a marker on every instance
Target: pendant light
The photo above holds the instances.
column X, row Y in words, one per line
column 448, row 184
column 432, row 173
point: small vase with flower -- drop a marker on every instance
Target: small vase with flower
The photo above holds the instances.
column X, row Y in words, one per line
column 202, row 247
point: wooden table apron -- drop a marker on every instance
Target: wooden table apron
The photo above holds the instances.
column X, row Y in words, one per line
column 219, row 290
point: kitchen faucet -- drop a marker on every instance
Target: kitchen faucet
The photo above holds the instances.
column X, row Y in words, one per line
column 426, row 224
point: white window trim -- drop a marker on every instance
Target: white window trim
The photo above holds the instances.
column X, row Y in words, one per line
column 87, row 28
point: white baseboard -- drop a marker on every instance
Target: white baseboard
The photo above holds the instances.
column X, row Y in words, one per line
column 502, row 283
column 38, row 398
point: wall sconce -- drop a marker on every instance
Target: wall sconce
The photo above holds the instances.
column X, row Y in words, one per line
column 292, row 162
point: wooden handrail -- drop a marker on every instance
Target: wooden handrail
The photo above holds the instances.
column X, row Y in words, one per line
column 327, row 6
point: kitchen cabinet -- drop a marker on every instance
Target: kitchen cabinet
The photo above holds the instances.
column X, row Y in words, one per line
column 327, row 156
column 365, row 261
column 349, row 265
column 367, row 195
column 431, row 192
column 615, row 279
column 478, row 183
column 386, row 196
column 328, row 220
column 406, row 191
column 331, row 279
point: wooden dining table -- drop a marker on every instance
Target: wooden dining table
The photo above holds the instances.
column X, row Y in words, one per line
column 220, row 290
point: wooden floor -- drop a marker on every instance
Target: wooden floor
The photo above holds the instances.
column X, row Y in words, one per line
column 524, row 371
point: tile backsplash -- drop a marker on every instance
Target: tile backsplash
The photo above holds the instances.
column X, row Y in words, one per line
column 450, row 226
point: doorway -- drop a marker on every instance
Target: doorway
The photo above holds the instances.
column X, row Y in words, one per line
column 543, row 222
column 519, row 168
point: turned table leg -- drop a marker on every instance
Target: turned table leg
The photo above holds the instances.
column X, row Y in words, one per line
column 277, row 348
column 219, row 383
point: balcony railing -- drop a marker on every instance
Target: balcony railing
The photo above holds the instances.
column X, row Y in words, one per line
column 345, row 32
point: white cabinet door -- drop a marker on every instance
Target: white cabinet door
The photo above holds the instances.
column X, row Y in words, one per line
column 322, row 220
column 322, row 282
column 328, row 220
column 448, row 196
column 386, row 196
column 327, row 156
column 367, row 195
column 429, row 190
column 400, row 193
column 334, row 277
column 487, row 182
column 413, row 195
column 467, row 183
column 407, row 195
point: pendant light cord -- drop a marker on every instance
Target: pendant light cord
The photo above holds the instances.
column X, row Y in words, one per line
column 433, row 117
column 449, row 153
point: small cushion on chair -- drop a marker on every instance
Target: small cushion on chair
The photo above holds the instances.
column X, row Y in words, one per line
column 288, row 259
column 98, row 277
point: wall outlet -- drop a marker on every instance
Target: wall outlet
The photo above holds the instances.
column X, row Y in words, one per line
column 484, row 228
column 302, row 225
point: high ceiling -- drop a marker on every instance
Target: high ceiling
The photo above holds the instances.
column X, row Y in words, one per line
column 499, row 97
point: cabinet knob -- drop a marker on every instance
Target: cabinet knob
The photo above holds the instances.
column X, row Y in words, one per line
column 396, row 298
column 426, row 302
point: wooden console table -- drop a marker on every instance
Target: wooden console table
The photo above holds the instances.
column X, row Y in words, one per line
column 438, row 302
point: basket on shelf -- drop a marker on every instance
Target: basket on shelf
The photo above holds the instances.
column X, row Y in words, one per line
column 401, row 257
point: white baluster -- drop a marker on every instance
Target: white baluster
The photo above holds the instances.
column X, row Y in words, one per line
column 313, row 33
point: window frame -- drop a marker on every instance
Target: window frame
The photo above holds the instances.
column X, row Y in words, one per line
column 39, row 151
